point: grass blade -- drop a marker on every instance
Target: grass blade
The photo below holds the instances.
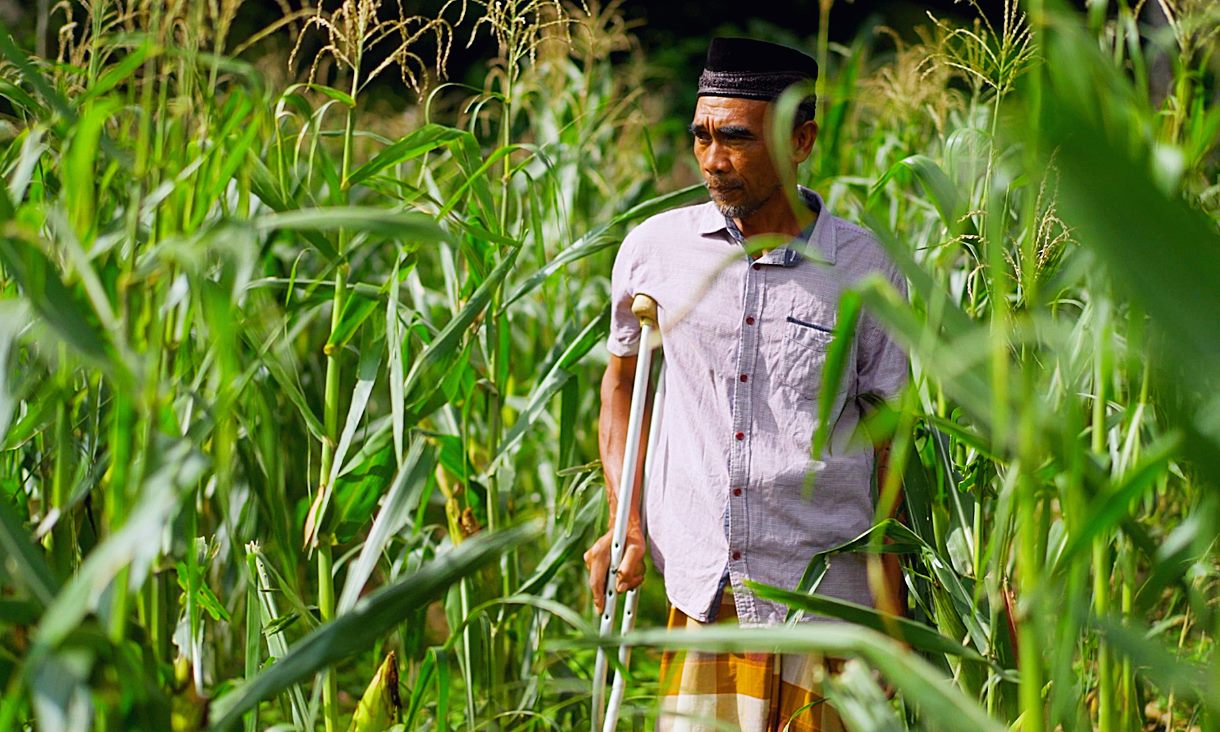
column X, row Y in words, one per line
column 919, row 683
column 135, row 545
column 599, row 238
column 55, row 302
column 25, row 562
column 426, row 373
column 368, row 620
column 405, row 225
column 370, row 363
column 421, row 141
column 918, row 635
column 399, row 505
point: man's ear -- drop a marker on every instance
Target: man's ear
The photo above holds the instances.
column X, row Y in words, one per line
column 803, row 137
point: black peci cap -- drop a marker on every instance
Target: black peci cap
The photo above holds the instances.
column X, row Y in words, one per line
column 751, row 69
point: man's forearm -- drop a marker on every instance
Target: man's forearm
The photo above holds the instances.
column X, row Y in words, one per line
column 891, row 564
column 882, row 461
column 616, row 392
column 616, row 388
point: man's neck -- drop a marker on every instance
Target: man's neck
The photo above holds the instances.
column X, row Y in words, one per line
column 776, row 217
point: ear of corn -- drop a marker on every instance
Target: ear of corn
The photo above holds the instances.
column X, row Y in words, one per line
column 380, row 706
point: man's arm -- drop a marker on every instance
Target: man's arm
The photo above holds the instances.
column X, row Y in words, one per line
column 882, row 372
column 894, row 599
column 616, row 390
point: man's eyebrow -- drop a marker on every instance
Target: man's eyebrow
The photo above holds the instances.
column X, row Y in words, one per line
column 732, row 132
column 736, row 132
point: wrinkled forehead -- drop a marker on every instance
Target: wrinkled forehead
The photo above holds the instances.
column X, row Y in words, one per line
column 715, row 111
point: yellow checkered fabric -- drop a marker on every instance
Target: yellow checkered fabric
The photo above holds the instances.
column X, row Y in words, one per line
column 751, row 692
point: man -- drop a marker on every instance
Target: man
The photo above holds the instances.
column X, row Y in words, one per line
column 745, row 334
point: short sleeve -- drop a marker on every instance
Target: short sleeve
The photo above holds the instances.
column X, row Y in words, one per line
column 882, row 365
column 624, row 338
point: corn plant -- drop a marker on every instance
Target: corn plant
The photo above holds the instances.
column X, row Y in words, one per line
column 297, row 416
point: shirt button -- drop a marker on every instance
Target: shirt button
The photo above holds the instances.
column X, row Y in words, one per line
column 736, row 556
column 740, row 435
column 756, row 266
column 737, row 491
column 745, row 378
column 749, row 320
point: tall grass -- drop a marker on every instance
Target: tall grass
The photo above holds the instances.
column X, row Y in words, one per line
column 287, row 397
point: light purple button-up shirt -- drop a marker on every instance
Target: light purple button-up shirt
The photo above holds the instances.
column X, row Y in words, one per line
column 744, row 343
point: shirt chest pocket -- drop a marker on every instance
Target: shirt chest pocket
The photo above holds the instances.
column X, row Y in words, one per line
column 803, row 354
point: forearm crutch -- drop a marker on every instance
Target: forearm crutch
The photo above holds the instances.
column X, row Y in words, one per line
column 645, row 308
column 633, row 597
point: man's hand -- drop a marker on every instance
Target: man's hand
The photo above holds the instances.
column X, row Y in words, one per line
column 630, row 570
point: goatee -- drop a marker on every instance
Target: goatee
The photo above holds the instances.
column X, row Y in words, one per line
column 737, row 211
column 741, row 210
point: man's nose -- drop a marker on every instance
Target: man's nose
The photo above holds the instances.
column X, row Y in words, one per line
column 715, row 159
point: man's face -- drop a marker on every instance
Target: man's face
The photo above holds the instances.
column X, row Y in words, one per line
column 731, row 149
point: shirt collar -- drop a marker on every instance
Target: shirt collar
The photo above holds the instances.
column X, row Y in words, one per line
column 820, row 243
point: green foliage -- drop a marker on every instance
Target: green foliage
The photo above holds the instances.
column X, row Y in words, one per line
column 259, row 345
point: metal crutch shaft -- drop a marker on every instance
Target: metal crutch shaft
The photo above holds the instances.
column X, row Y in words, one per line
column 633, row 597
column 645, row 308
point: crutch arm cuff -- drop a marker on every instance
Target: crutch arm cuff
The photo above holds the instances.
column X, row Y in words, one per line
column 645, row 308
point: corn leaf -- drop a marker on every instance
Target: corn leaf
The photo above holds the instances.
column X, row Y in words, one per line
column 918, row 635
column 424, row 140
column 400, row 503
column 919, row 683
column 371, row 617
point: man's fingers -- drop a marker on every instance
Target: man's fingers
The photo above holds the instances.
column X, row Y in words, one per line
column 597, row 559
column 597, row 586
column 630, row 571
column 627, row 576
column 597, row 576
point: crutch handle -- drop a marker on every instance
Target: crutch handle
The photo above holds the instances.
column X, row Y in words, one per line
column 645, row 308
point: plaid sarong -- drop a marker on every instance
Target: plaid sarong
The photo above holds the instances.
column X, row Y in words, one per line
column 753, row 692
